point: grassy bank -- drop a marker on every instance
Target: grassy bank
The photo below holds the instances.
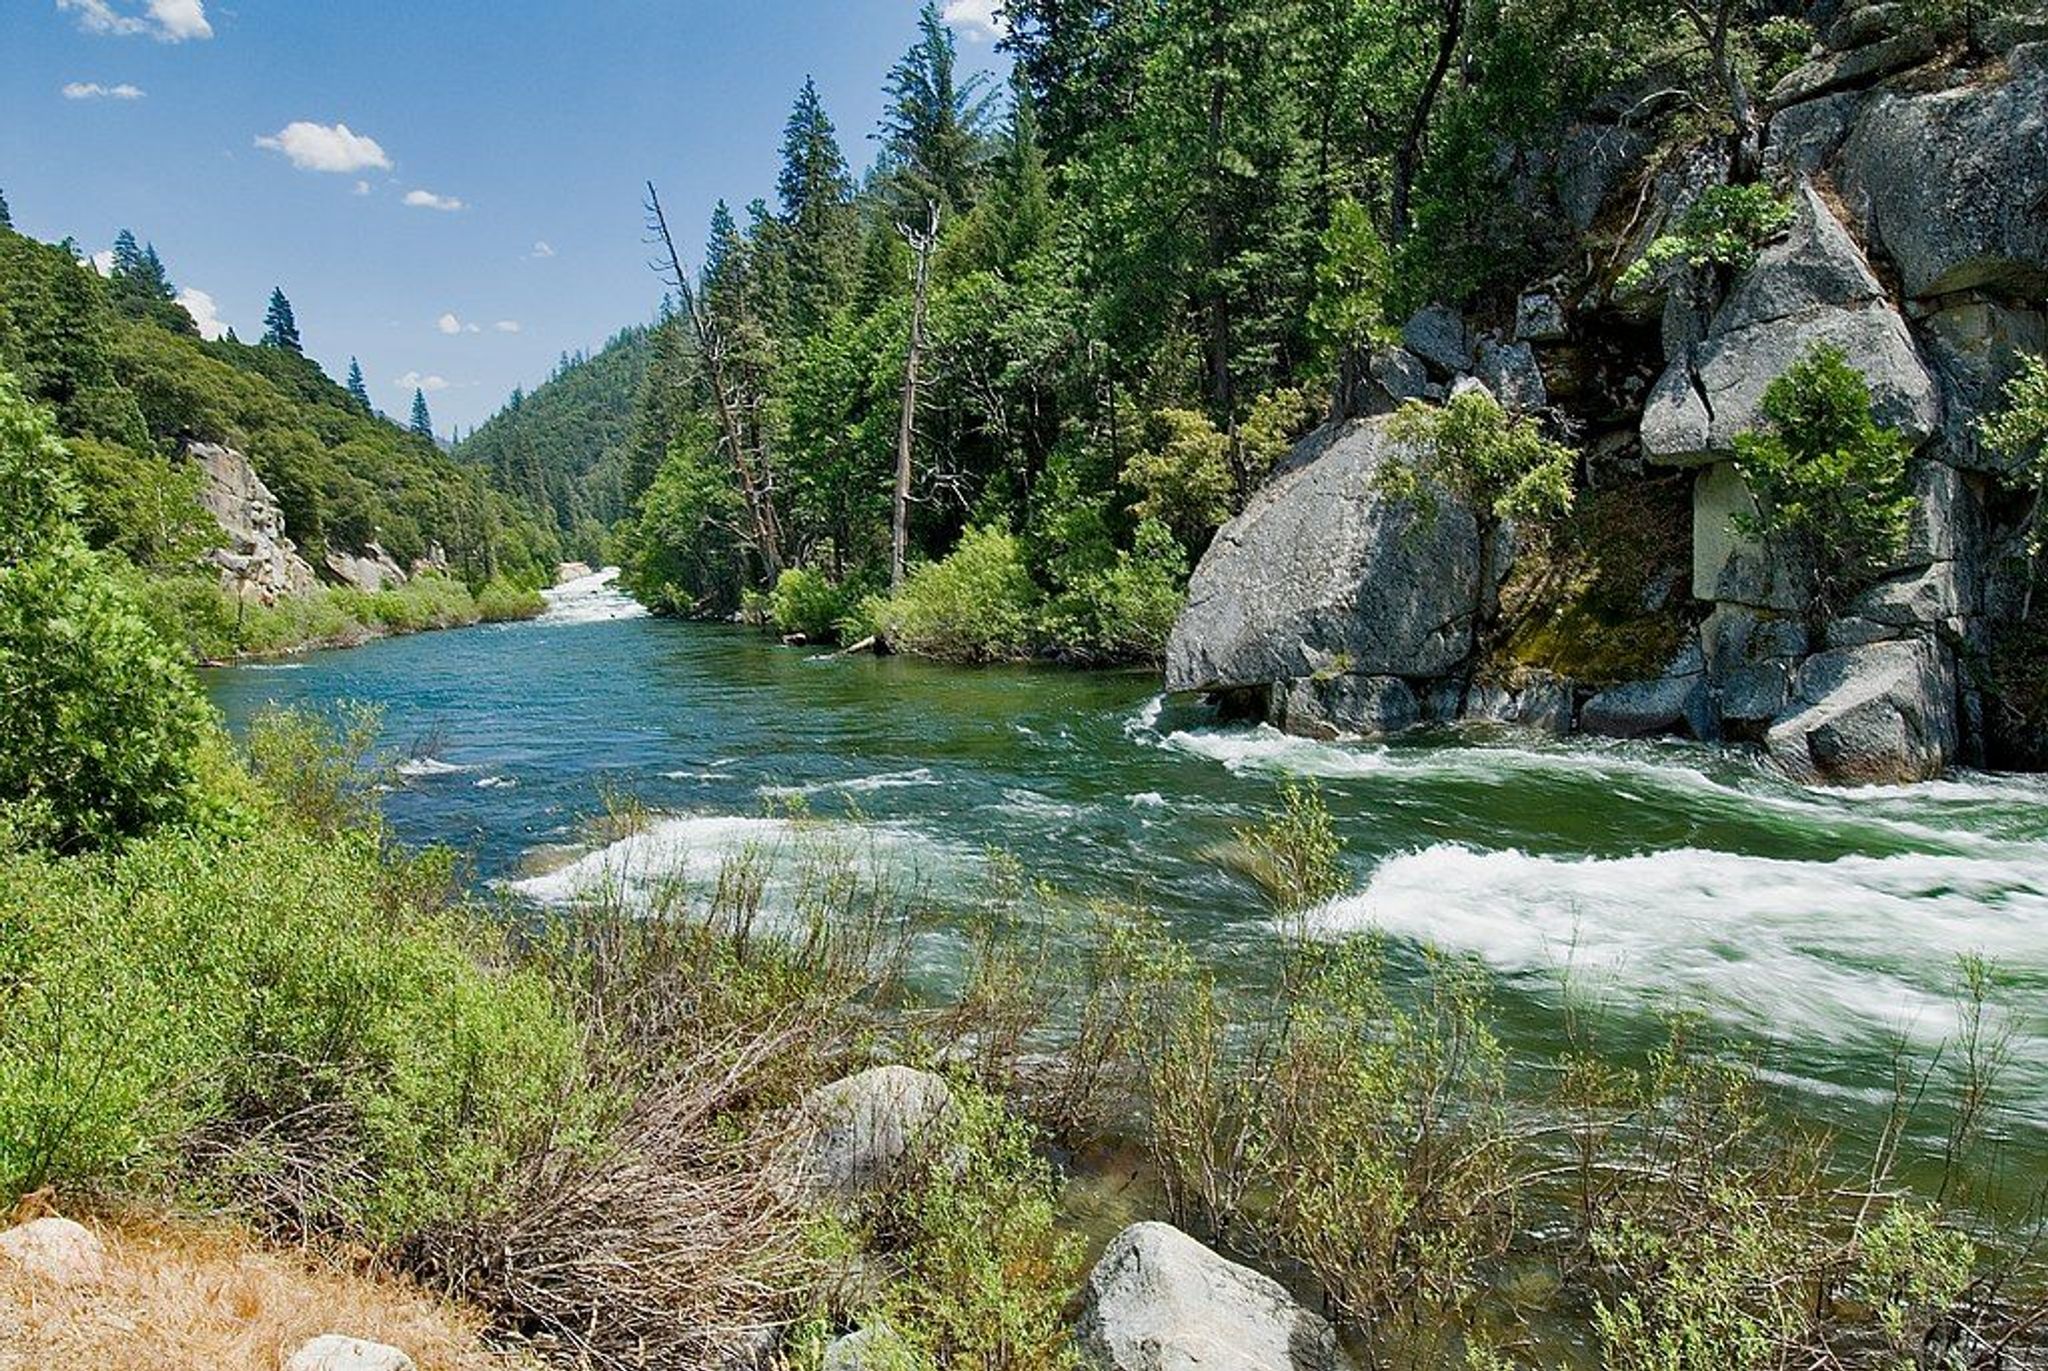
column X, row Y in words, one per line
column 214, row 626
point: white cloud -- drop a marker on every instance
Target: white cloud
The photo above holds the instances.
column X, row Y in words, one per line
column 506, row 326
column 412, row 380
column 362, row 188
column 93, row 90
column 326, row 147
column 102, row 262
column 542, row 249
column 204, row 312
column 426, row 199
column 168, row 21
column 979, row 20
column 448, row 323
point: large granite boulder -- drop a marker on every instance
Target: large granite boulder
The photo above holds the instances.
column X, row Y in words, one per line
column 1811, row 287
column 1324, row 576
column 1160, row 1301
column 369, row 571
column 865, row 1133
column 56, row 1250
column 1676, row 702
column 1728, row 565
column 1949, row 184
column 256, row 560
column 1883, row 713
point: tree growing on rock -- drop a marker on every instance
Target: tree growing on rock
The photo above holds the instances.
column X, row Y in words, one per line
column 1829, row 481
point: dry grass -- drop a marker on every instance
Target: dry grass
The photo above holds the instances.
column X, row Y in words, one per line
column 183, row 1294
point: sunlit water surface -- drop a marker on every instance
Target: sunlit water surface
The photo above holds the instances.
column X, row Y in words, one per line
column 1819, row 930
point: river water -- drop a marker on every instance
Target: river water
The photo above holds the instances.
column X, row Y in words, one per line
column 1819, row 930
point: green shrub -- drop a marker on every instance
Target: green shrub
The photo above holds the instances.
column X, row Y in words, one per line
column 1499, row 465
column 1126, row 611
column 1724, row 227
column 1829, row 481
column 501, row 601
column 1184, row 477
column 978, row 604
column 805, row 603
column 100, row 721
column 2019, row 433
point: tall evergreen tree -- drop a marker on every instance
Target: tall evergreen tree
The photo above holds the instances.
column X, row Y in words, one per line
column 280, row 328
column 935, row 126
column 1021, row 199
column 817, row 198
column 152, row 278
column 6, row 214
column 128, row 261
column 422, row 421
column 357, row 390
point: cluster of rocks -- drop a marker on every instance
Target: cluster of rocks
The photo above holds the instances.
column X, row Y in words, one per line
column 1156, row 1300
column 1918, row 247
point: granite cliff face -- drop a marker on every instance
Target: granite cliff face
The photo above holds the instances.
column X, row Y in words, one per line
column 256, row 561
column 1918, row 245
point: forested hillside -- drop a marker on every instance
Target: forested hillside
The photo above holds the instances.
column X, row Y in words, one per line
column 568, row 447
column 133, row 388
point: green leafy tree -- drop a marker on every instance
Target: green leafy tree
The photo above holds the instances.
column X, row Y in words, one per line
column 102, row 722
column 2019, row 433
column 358, row 390
column 280, row 328
column 1829, row 481
column 422, row 423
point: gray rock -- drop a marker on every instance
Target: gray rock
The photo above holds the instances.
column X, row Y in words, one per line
column 1805, row 137
column 1675, row 701
column 1322, row 574
column 1851, row 631
column 864, row 1133
column 1160, row 1301
column 1976, row 344
column 1751, row 657
column 2002, row 29
column 60, row 1251
column 867, row 1349
column 1949, row 184
column 258, row 562
column 1931, row 596
column 369, row 571
column 1813, row 287
column 334, row 1352
column 1856, row 67
column 1593, row 160
column 1509, row 371
column 1393, row 377
column 1727, row 564
column 1329, row 706
column 1879, row 714
column 1437, row 335
column 1539, row 318
column 1869, row 24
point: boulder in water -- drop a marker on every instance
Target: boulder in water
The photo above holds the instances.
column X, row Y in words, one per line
column 1160, row 1301
column 1883, row 713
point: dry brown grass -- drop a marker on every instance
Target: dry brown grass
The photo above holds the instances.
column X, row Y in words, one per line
column 180, row 1294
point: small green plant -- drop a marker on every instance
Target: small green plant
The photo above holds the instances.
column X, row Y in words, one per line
column 1184, row 477
column 1296, row 856
column 1499, row 465
column 1723, row 228
column 1829, row 481
column 2019, row 433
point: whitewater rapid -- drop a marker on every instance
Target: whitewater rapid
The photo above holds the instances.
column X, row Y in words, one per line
column 592, row 599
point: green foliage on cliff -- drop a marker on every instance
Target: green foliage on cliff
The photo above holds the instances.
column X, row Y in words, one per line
column 1498, row 465
column 132, row 387
column 1828, row 479
column 1723, row 228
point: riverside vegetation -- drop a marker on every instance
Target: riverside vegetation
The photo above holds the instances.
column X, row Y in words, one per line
column 226, row 986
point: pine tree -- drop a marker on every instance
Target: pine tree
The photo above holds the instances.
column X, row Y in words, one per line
column 422, row 422
column 817, row 199
column 1021, row 199
column 128, row 260
column 152, row 278
column 934, row 130
column 6, row 214
column 357, row 391
column 280, row 329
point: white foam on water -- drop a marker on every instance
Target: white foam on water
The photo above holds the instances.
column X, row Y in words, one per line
column 420, row 768
column 689, row 847
column 1150, row 799
column 858, row 785
column 592, row 599
column 496, row 783
column 1855, row 950
column 1146, row 720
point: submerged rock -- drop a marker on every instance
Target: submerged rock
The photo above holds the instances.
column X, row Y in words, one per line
column 56, row 1250
column 1324, row 576
column 861, row 1134
column 1879, row 714
column 1160, row 1301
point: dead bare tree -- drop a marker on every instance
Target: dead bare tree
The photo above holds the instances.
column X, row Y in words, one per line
column 749, row 466
column 921, row 243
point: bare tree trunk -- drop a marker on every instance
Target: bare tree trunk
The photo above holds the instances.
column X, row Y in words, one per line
column 1408, row 157
column 921, row 243
column 1713, row 30
column 753, row 492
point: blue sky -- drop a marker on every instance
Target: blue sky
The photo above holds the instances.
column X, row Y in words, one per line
column 448, row 190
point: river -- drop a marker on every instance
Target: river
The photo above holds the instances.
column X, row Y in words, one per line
column 1817, row 929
